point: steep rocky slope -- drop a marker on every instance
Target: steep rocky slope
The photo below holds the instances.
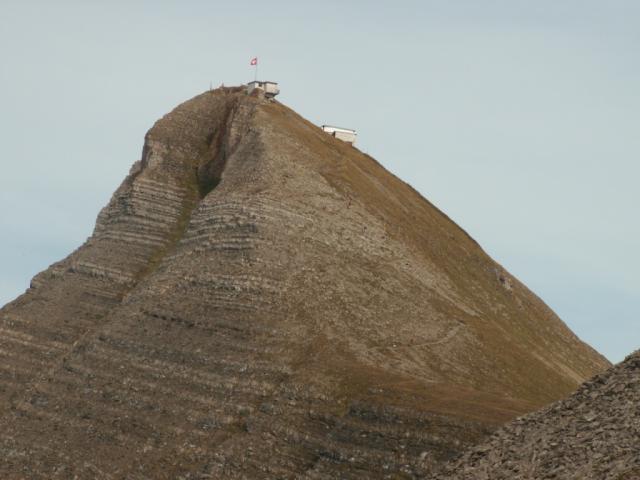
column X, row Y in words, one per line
column 592, row 435
column 260, row 300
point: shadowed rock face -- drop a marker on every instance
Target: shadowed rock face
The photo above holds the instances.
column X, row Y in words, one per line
column 592, row 435
column 260, row 300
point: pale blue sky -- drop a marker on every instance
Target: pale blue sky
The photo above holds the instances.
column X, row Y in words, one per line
column 517, row 118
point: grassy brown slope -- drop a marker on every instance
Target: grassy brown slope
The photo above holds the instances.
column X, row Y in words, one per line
column 523, row 350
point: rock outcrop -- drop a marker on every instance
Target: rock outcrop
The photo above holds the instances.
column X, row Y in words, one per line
column 592, row 435
column 261, row 300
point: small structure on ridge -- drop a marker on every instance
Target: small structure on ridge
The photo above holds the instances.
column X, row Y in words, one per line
column 270, row 89
column 347, row 135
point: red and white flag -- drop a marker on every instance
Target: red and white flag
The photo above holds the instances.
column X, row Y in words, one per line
column 254, row 61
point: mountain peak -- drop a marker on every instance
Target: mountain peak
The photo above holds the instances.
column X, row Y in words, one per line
column 260, row 299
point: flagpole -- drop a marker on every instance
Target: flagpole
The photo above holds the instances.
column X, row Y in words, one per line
column 256, row 71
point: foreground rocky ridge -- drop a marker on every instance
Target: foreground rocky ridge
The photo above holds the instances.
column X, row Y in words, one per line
column 592, row 435
column 260, row 300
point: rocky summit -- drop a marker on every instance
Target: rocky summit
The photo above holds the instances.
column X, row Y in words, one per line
column 262, row 300
column 592, row 435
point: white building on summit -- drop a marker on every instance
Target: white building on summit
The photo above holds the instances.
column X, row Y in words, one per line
column 347, row 135
column 270, row 89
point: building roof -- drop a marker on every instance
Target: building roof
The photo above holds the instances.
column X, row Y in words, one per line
column 339, row 128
